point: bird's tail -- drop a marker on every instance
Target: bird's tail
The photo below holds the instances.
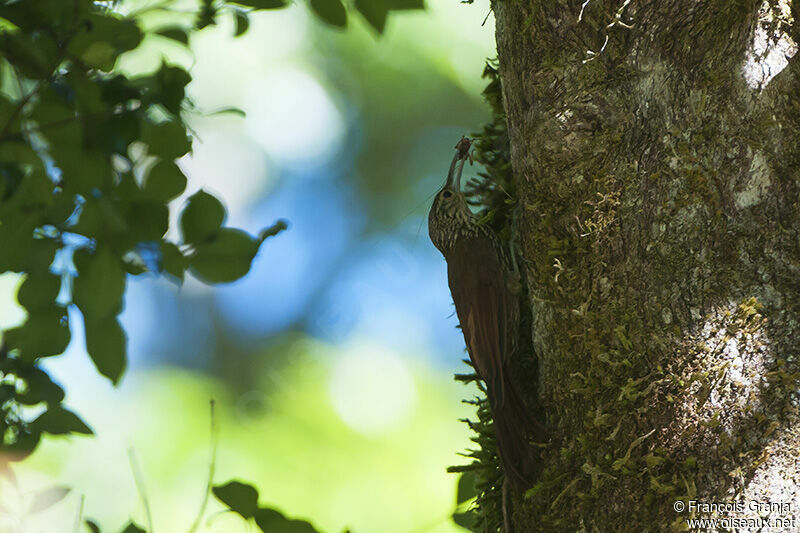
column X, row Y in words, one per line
column 515, row 428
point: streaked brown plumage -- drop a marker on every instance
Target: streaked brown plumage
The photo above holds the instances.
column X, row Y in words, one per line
column 478, row 273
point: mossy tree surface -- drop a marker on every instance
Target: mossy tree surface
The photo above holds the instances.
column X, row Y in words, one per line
column 657, row 171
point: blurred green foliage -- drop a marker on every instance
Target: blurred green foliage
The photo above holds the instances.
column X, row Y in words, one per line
column 242, row 499
column 305, row 460
column 87, row 167
column 374, row 11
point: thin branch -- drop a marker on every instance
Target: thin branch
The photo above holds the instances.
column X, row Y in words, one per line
column 20, row 105
column 137, row 477
column 38, row 128
column 62, row 51
column 211, row 468
column 79, row 518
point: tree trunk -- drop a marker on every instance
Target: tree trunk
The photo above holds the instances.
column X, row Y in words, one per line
column 654, row 146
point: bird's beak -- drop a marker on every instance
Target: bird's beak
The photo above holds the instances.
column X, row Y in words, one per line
column 454, row 174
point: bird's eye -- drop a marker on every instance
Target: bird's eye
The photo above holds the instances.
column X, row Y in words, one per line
column 447, row 194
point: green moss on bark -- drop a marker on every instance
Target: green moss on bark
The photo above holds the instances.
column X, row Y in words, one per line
column 653, row 187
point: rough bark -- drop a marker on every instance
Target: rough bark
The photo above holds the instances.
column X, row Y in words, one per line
column 657, row 177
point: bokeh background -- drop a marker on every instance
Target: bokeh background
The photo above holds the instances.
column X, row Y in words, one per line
column 331, row 363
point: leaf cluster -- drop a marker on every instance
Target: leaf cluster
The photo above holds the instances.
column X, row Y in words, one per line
column 375, row 12
column 88, row 166
column 335, row 13
column 242, row 499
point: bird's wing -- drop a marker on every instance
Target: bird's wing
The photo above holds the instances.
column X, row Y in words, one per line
column 486, row 310
column 483, row 305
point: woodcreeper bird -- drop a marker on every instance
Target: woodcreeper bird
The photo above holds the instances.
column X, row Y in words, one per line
column 479, row 271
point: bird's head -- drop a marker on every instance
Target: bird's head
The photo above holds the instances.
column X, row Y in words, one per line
column 450, row 211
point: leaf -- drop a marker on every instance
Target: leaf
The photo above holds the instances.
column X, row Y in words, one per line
column 228, row 111
column 242, row 22
column 82, row 171
column 106, row 344
column 61, row 210
column 40, row 388
column 405, row 4
column 33, row 193
column 39, row 291
column 33, row 54
column 374, row 11
column 82, row 93
column 225, row 258
column 26, row 441
column 53, row 105
column 46, row 498
column 176, row 33
column 299, row 526
column 113, row 133
column 166, row 139
column 8, row 109
column 7, row 392
column 172, row 261
column 272, row 521
column 172, row 82
column 164, row 182
column 201, row 218
column 331, row 11
column 119, row 90
column 16, row 240
column 44, row 333
column 92, row 525
column 26, row 15
column 98, row 217
column 263, row 4
column 20, row 153
column 133, row 528
column 100, row 54
column 100, row 285
column 60, row 421
column 40, row 253
column 296, row 526
column 239, row 497
column 468, row 520
column 103, row 38
column 147, row 221
column 269, row 519
column 467, row 489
